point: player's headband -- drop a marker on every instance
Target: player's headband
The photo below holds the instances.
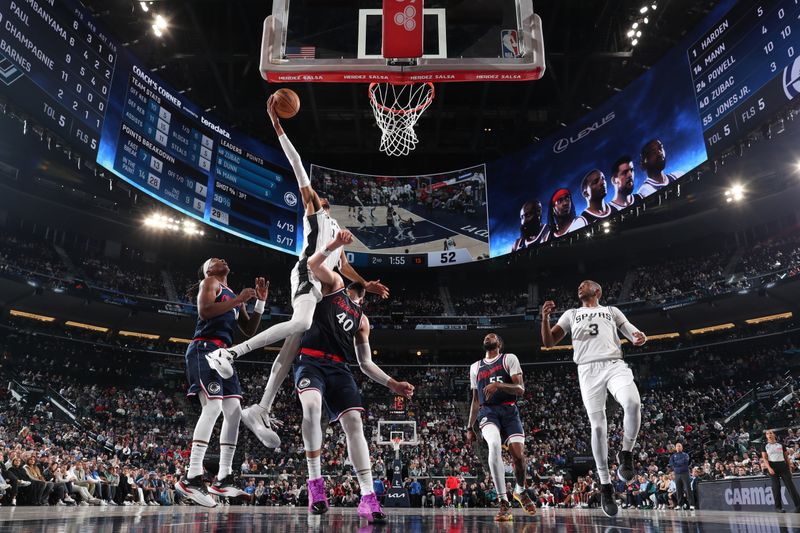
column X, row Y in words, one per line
column 206, row 266
column 559, row 194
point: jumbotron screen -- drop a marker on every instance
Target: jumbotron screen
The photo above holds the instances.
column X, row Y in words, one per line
column 730, row 73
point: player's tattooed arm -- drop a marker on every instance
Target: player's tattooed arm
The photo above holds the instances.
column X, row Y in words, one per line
column 550, row 335
column 517, row 388
column 208, row 308
column 249, row 323
column 374, row 287
column 329, row 279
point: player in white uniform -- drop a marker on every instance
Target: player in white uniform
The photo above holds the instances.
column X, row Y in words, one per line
column 598, row 353
column 319, row 229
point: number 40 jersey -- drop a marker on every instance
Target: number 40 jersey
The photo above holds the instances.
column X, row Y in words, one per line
column 336, row 320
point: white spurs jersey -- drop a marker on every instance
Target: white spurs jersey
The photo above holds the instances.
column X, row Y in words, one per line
column 319, row 230
column 594, row 332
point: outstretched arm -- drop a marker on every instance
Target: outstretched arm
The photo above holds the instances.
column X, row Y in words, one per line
column 630, row 331
column 310, row 197
column 374, row 287
column 550, row 335
column 373, row 371
column 330, row 279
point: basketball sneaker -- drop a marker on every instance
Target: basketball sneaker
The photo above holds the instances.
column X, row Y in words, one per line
column 607, row 501
column 195, row 489
column 625, row 470
column 226, row 488
column 504, row 513
column 317, row 500
column 221, row 360
column 370, row 509
column 257, row 419
column 525, row 502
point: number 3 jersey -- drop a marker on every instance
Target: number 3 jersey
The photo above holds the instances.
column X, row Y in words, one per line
column 497, row 370
column 336, row 320
column 594, row 333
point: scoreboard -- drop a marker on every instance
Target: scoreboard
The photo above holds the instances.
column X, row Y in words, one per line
column 62, row 69
column 745, row 69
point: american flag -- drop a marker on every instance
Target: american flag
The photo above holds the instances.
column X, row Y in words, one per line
column 301, row 52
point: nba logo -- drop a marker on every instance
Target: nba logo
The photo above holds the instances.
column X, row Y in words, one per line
column 509, row 43
column 791, row 80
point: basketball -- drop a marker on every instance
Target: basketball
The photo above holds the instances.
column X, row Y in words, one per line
column 287, row 103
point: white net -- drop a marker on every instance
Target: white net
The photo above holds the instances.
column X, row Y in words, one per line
column 397, row 108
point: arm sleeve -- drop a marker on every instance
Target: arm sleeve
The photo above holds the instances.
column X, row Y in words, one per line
column 624, row 326
column 565, row 322
column 370, row 369
column 512, row 364
column 295, row 161
column 473, row 376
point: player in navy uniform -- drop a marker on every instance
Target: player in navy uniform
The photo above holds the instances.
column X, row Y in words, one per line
column 339, row 335
column 220, row 311
column 496, row 382
column 319, row 228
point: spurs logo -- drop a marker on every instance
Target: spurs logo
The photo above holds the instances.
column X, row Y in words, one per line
column 405, row 18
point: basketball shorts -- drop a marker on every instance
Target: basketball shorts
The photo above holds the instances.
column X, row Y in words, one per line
column 202, row 378
column 597, row 379
column 507, row 420
column 332, row 380
column 304, row 283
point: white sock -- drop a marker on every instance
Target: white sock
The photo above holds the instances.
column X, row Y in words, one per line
column 628, row 398
column 196, row 459
column 357, row 450
column 280, row 369
column 302, row 316
column 226, row 453
column 491, row 434
column 314, row 467
column 600, row 445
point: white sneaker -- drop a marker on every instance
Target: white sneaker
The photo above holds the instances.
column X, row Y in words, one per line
column 59, row 503
column 691, row 507
column 83, row 503
column 221, row 360
column 23, row 483
column 112, row 502
column 127, row 503
column 103, row 503
column 69, row 499
column 257, row 419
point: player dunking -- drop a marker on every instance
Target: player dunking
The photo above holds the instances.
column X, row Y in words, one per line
column 598, row 353
column 339, row 335
column 219, row 310
column 496, row 382
column 319, row 228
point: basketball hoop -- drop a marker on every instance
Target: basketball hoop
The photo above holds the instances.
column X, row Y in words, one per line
column 396, row 443
column 397, row 108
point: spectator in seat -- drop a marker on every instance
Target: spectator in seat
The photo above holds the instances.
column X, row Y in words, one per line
column 35, row 492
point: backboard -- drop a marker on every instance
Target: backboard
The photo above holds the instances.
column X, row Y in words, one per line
column 348, row 41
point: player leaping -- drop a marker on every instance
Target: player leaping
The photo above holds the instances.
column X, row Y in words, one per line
column 319, row 228
column 496, row 382
column 339, row 335
column 598, row 353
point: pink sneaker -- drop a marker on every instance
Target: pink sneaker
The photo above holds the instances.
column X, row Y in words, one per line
column 317, row 500
column 370, row 509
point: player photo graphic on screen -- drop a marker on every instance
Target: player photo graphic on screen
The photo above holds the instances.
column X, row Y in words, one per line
column 654, row 161
column 409, row 214
column 622, row 177
column 531, row 229
column 561, row 216
column 594, row 190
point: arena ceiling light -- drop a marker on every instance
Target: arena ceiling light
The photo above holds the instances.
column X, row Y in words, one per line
column 160, row 25
column 158, row 221
column 642, row 19
column 144, row 6
column 735, row 193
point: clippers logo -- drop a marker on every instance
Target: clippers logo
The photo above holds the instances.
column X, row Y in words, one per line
column 406, row 17
column 562, row 144
column 305, row 382
column 791, row 80
column 214, row 387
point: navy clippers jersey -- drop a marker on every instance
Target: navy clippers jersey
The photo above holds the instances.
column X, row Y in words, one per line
column 219, row 327
column 336, row 320
column 494, row 372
